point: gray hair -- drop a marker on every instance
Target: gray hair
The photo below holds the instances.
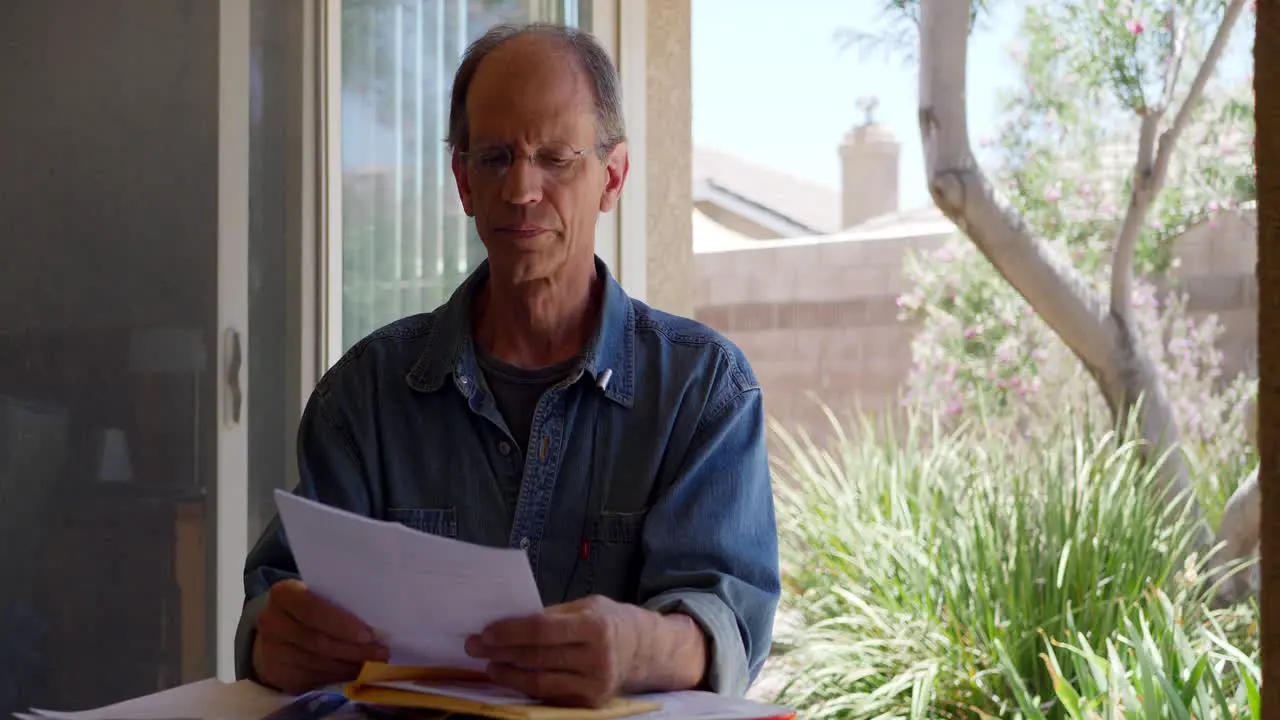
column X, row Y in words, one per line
column 591, row 57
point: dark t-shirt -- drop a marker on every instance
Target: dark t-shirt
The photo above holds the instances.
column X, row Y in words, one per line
column 516, row 391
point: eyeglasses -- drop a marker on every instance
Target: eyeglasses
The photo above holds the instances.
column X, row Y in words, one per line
column 557, row 161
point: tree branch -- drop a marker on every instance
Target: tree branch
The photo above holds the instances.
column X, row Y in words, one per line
column 1140, row 198
column 964, row 194
column 1179, row 33
column 1152, row 166
column 1169, row 139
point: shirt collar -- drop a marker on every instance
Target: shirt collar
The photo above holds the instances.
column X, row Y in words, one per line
column 608, row 361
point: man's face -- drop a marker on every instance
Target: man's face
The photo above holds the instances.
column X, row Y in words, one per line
column 532, row 175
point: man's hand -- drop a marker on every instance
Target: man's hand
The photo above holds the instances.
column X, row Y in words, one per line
column 304, row 642
column 587, row 651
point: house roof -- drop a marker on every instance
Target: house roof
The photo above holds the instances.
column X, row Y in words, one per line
column 710, row 236
column 792, row 205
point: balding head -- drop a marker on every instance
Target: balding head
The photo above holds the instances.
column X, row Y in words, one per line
column 539, row 48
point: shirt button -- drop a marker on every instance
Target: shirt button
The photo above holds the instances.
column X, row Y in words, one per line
column 504, row 447
column 524, row 543
column 464, row 381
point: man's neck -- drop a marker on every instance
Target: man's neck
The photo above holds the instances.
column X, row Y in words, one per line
column 538, row 324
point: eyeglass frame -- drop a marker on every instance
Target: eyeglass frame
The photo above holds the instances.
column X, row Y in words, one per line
column 512, row 155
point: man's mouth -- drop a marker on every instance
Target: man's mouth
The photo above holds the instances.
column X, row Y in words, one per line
column 523, row 230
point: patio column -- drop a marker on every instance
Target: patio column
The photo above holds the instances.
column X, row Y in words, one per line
column 669, row 156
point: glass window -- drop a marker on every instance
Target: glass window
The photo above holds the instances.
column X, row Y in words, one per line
column 406, row 243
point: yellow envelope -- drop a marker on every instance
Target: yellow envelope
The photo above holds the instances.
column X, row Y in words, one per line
column 362, row 691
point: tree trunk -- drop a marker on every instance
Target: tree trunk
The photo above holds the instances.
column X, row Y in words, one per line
column 1238, row 532
column 1101, row 333
column 1267, row 88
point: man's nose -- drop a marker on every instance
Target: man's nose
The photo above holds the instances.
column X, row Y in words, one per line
column 522, row 184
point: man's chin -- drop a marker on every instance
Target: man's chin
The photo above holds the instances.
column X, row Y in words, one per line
column 516, row 267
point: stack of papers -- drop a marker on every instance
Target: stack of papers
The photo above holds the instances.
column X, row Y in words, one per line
column 214, row 700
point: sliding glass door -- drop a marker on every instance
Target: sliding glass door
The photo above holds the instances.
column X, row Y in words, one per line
column 405, row 242
column 124, row 344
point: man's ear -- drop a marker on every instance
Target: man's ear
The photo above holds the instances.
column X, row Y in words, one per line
column 616, row 164
column 463, row 181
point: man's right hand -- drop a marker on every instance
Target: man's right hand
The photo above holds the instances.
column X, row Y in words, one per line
column 304, row 642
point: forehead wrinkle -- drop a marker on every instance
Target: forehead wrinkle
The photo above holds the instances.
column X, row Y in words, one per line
column 533, row 84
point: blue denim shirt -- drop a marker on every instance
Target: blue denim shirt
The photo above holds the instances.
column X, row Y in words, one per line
column 652, row 488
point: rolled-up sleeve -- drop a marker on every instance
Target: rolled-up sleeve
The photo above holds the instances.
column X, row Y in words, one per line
column 711, row 542
column 330, row 472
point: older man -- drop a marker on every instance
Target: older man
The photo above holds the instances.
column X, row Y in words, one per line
column 541, row 408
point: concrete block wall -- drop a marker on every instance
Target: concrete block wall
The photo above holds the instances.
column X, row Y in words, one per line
column 822, row 318
column 1217, row 269
column 814, row 319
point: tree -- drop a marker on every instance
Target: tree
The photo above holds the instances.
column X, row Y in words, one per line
column 1149, row 77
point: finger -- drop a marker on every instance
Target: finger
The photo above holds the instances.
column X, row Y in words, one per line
column 297, row 680
column 284, row 653
column 557, row 687
column 316, row 612
column 584, row 605
column 574, row 606
column 537, row 630
column 281, row 626
column 579, row 658
column 294, row 670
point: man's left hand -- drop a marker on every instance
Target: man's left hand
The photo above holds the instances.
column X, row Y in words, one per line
column 587, row 651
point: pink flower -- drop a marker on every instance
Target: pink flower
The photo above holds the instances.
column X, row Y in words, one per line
column 970, row 333
column 1052, row 195
column 1135, row 27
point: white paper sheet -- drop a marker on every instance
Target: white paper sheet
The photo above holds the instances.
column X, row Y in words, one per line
column 205, row 700
column 698, row 705
column 422, row 593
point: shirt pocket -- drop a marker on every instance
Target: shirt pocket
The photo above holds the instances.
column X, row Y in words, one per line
column 617, row 555
column 433, row 521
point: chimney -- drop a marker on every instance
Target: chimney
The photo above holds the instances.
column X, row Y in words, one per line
column 868, row 170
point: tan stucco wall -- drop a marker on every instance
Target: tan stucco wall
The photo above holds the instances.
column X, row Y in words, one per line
column 669, row 156
column 822, row 318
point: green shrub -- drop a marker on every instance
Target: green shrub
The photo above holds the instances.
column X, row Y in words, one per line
column 1159, row 666
column 928, row 567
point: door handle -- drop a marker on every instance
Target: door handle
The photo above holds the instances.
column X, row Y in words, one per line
column 234, row 399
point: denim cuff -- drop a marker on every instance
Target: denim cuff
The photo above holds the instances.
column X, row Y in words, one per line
column 727, row 672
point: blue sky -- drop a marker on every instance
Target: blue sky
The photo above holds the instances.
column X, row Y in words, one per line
column 771, row 84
